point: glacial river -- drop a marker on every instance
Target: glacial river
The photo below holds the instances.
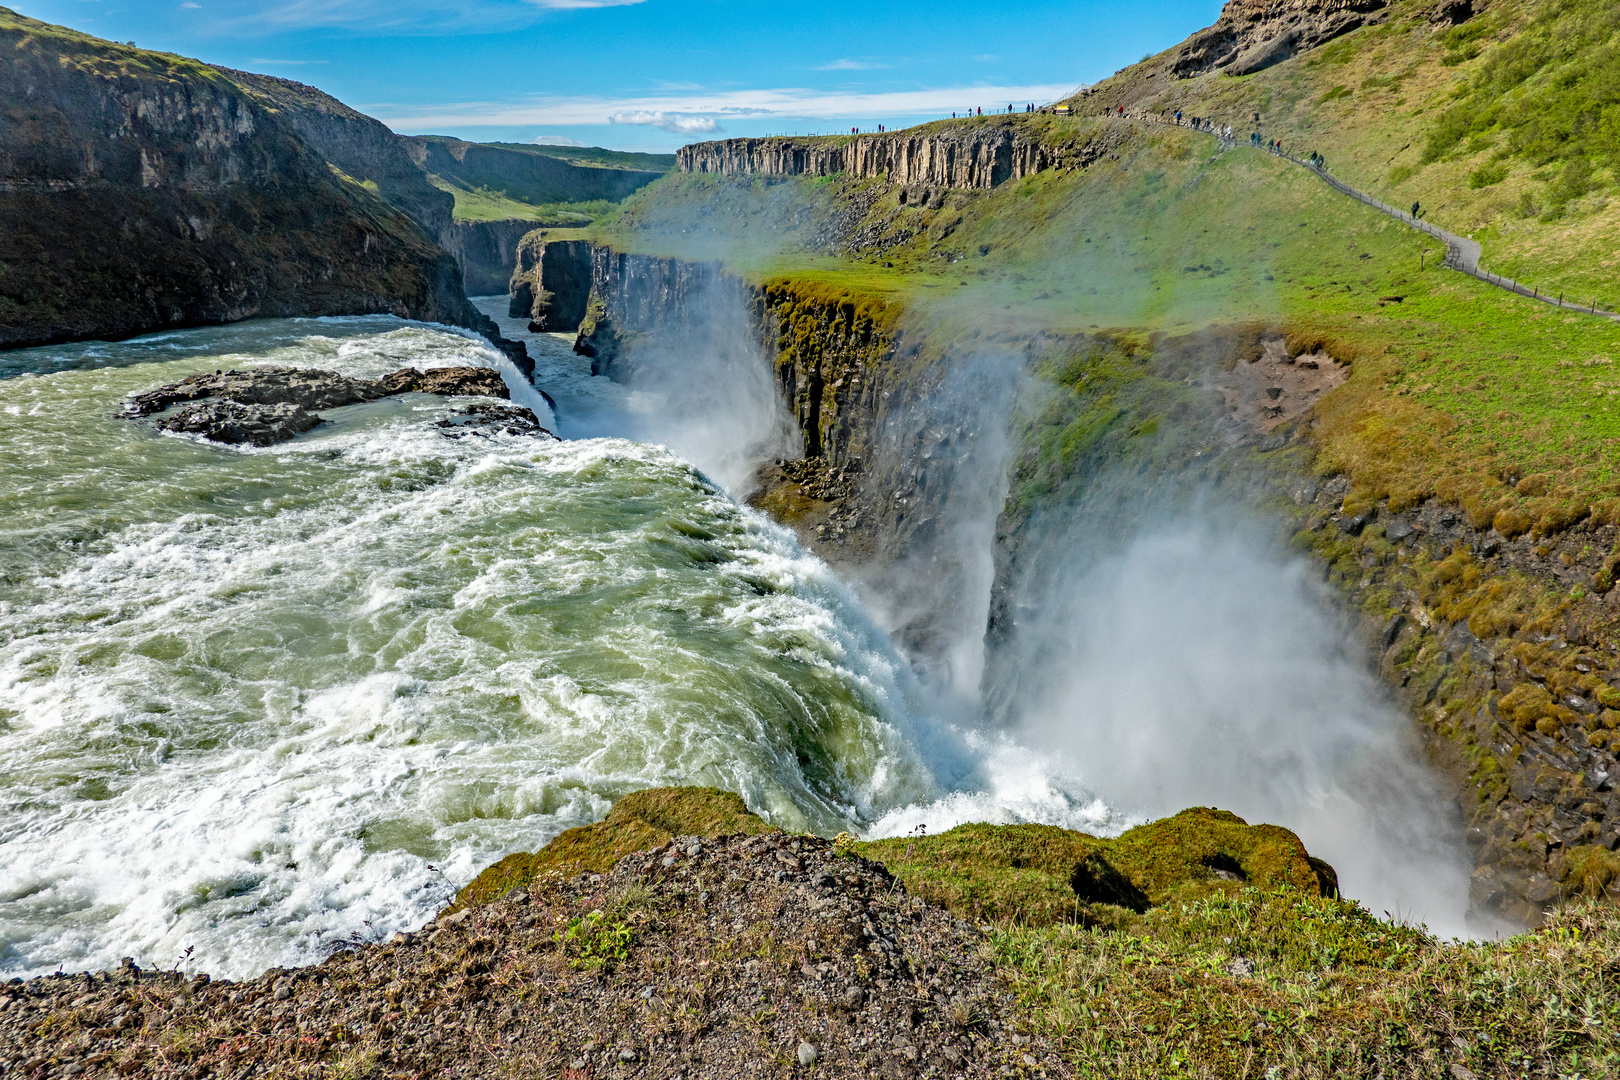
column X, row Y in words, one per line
column 256, row 702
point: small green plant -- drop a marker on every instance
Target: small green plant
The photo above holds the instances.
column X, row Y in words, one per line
column 590, row 941
column 1486, row 175
column 1340, row 91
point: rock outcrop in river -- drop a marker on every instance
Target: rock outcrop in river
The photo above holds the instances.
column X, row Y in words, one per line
column 267, row 405
column 551, row 285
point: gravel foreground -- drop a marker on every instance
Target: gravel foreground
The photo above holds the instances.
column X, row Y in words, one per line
column 752, row 956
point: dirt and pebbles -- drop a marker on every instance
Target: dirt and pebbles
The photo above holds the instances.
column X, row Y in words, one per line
column 746, row 956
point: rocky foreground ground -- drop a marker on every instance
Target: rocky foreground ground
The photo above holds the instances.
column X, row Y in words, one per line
column 746, row 956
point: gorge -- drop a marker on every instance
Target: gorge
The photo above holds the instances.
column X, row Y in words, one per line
column 1063, row 535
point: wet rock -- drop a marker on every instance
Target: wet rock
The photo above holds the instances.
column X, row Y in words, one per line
column 1352, row 524
column 1398, row 529
column 465, row 381
column 307, row 388
column 267, row 405
column 489, row 420
column 234, row 424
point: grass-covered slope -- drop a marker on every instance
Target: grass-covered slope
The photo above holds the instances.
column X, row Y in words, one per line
column 1503, row 124
column 555, row 185
column 1199, row 946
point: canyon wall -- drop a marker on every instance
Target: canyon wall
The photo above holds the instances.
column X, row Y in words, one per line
column 551, row 283
column 974, row 155
column 361, row 147
column 486, row 251
column 141, row 191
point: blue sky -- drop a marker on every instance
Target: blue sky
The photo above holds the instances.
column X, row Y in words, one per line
column 652, row 74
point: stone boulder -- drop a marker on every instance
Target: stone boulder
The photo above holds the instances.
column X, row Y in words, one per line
column 266, row 405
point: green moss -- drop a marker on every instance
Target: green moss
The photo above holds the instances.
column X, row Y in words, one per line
column 1038, row 875
column 638, row 822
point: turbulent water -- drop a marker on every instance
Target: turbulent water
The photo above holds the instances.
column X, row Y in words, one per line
column 254, row 702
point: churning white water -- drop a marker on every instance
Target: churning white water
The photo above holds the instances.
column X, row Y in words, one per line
column 256, row 701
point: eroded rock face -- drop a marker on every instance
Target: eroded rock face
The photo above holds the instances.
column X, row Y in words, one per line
column 551, row 284
column 267, row 405
column 1252, row 35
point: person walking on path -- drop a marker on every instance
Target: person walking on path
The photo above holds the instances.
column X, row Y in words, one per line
column 1417, row 209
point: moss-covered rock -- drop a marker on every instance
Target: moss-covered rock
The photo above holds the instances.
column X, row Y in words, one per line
column 638, row 822
column 1040, row 874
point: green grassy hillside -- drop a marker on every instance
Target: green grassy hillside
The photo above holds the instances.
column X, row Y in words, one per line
column 595, row 156
column 561, row 185
column 1506, row 126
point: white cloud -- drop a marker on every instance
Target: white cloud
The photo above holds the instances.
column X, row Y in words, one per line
column 681, row 125
column 555, row 140
column 418, row 14
column 703, row 109
column 191, row 7
column 851, row 64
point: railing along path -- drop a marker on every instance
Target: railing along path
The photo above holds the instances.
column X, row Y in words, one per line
column 1462, row 254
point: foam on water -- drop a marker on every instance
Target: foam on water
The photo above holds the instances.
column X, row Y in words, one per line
column 256, row 701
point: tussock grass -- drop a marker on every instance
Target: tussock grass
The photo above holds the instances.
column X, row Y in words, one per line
column 1276, row 984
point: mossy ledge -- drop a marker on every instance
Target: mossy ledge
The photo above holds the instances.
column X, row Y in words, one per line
column 1028, row 874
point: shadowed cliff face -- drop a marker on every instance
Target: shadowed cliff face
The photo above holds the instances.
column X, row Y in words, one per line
column 362, row 147
column 141, row 191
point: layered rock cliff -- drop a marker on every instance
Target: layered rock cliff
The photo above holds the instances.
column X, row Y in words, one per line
column 981, row 154
column 1252, row 35
column 361, row 147
column 140, row 191
column 551, row 284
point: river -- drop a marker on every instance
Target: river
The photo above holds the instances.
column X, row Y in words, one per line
column 257, row 702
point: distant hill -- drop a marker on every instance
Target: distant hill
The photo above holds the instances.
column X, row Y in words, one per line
column 592, row 156
column 493, row 181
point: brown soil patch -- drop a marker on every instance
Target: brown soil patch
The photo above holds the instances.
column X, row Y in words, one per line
column 1275, row 388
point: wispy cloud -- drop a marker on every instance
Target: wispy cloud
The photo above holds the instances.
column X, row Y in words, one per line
column 556, row 140
column 408, row 14
column 851, row 64
column 783, row 103
column 682, row 125
column 262, row 61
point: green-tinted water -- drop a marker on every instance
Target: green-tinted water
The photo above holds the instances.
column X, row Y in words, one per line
column 249, row 697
